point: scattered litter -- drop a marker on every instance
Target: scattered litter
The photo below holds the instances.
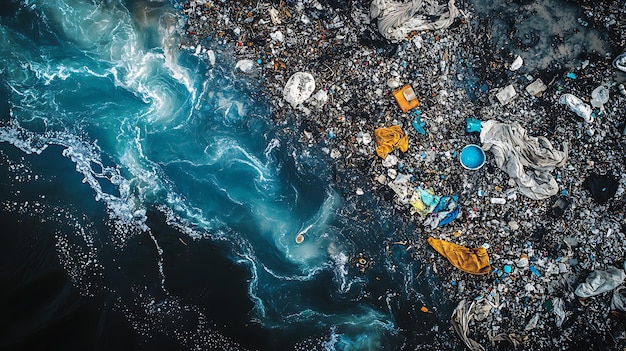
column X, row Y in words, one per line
column 601, row 187
column 245, row 65
column 560, row 206
column 559, row 311
column 538, row 247
column 517, row 63
column 472, row 157
column 536, row 88
column 417, row 122
column 299, row 238
column 618, row 302
column 405, row 97
column 461, row 318
column 599, row 97
column 620, row 62
column 396, row 19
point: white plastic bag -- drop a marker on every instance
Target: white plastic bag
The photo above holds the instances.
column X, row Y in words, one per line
column 578, row 106
column 299, row 88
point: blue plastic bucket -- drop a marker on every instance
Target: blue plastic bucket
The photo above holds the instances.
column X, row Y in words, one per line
column 472, row 157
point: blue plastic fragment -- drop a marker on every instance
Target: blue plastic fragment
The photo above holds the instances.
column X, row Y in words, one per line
column 472, row 125
column 571, row 75
column 507, row 269
column 419, row 125
column 534, row 271
column 444, row 205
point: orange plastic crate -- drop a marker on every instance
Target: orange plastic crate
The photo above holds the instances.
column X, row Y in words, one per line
column 405, row 97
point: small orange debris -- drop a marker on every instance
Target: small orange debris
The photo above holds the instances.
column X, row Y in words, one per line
column 405, row 97
column 424, row 309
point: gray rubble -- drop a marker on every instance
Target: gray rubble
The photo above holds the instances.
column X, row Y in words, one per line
column 540, row 250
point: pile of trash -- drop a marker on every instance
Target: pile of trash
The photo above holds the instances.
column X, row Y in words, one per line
column 530, row 238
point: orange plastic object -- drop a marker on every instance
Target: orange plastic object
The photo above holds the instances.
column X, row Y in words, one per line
column 388, row 138
column 405, row 97
column 424, row 309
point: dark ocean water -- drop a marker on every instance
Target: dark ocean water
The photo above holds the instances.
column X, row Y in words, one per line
column 148, row 202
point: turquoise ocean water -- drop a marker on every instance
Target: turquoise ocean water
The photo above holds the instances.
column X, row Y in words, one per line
column 148, row 202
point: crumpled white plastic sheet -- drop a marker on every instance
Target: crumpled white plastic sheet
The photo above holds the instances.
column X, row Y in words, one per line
column 618, row 302
column 396, row 19
column 526, row 159
column 559, row 310
column 598, row 282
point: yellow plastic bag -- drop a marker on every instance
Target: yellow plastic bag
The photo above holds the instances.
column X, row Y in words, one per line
column 388, row 138
column 474, row 261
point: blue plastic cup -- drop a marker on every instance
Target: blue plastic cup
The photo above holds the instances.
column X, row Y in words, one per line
column 472, row 157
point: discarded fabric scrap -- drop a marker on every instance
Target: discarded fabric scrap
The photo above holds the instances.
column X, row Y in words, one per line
column 388, row 138
column 474, row 261
column 526, row 159
column 424, row 201
column 440, row 210
column 445, row 212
